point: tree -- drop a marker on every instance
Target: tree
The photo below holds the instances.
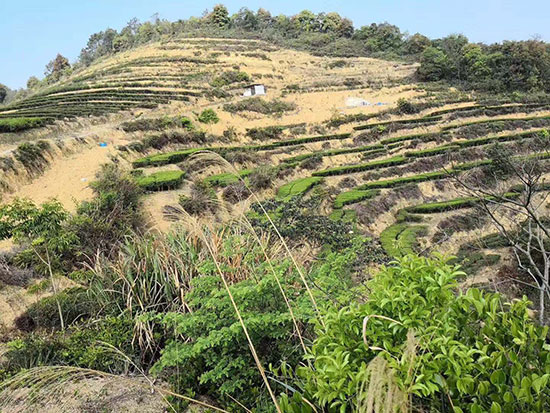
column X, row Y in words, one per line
column 219, row 16
column 518, row 215
column 330, row 22
column 452, row 47
column 434, row 64
column 380, row 37
column 32, row 82
column 345, row 29
column 99, row 44
column 264, row 18
column 306, row 21
column 42, row 231
column 146, row 32
column 245, row 19
column 417, row 43
column 55, row 69
column 3, row 93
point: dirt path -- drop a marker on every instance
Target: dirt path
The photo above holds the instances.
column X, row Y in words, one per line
column 67, row 179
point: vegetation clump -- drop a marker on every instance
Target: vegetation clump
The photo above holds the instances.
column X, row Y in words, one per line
column 229, row 78
column 208, row 116
column 156, row 124
column 259, row 105
column 161, row 180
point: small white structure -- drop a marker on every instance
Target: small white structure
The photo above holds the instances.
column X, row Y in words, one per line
column 253, row 90
column 353, row 102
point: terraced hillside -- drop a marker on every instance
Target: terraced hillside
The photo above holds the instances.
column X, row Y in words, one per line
column 174, row 110
column 187, row 242
column 396, row 179
column 176, row 79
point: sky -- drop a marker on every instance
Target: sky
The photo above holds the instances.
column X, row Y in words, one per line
column 32, row 32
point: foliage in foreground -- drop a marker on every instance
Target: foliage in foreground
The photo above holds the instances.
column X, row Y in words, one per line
column 471, row 351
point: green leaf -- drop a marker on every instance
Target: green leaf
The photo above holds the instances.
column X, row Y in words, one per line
column 495, row 408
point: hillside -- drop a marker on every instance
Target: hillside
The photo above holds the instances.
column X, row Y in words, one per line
column 343, row 166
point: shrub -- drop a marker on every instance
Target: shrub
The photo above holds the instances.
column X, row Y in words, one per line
column 263, row 134
column 33, row 155
column 81, row 346
column 353, row 196
column 208, row 116
column 215, row 354
column 259, row 105
column 312, row 162
column 160, row 181
column 12, row 275
column 405, row 106
column 228, row 78
column 114, row 212
column 500, row 357
column 235, row 192
column 21, row 124
column 201, row 201
column 298, row 187
column 156, row 124
column 262, row 177
column 401, row 239
column 75, row 305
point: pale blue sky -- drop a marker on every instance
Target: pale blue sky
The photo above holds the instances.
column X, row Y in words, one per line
column 32, row 32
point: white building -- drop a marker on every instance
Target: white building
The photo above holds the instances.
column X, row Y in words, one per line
column 255, row 89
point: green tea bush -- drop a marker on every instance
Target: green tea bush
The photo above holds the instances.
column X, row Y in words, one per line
column 298, row 187
column 160, row 181
column 401, row 239
column 348, row 169
column 208, row 116
column 414, row 318
column 353, row 196
column 21, row 124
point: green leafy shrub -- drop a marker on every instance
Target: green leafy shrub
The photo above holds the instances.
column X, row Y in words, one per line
column 230, row 77
column 82, row 346
column 500, row 356
column 298, row 187
column 353, row 196
column 21, row 124
column 401, row 239
column 75, row 305
column 114, row 212
column 208, row 116
column 160, row 181
column 227, row 178
column 215, row 356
